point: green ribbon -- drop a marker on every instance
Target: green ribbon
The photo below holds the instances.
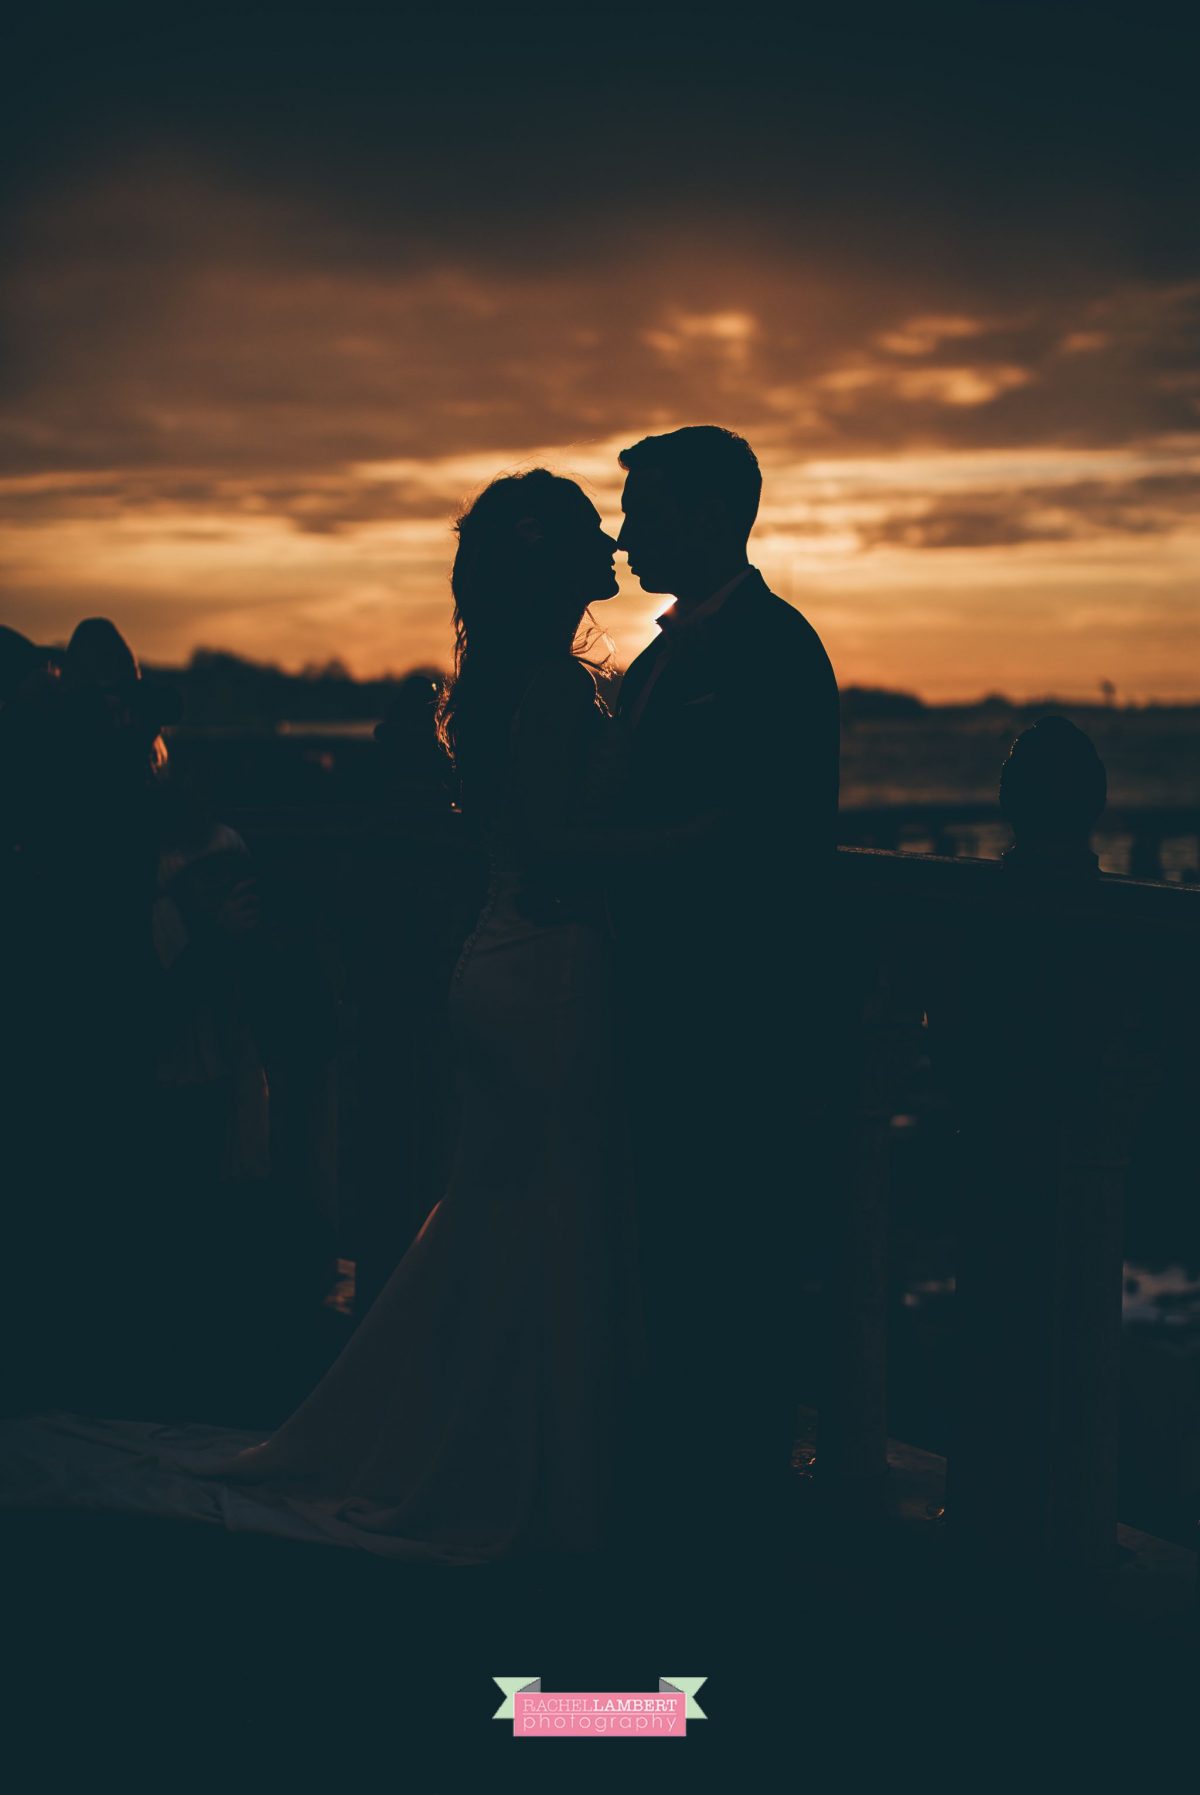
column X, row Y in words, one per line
column 685, row 1686
column 509, row 1687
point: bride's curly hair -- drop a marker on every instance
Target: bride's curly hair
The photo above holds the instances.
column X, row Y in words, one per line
column 499, row 635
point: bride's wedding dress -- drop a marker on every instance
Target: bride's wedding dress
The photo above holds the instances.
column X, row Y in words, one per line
column 477, row 1409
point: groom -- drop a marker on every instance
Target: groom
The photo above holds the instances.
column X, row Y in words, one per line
column 730, row 725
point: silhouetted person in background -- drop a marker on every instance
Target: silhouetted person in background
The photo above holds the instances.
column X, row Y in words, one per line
column 205, row 917
column 29, row 698
column 80, row 747
column 1053, row 790
column 409, row 748
column 210, row 1107
column 19, row 660
column 730, row 714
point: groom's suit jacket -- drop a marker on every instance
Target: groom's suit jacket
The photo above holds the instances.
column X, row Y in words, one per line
column 741, row 719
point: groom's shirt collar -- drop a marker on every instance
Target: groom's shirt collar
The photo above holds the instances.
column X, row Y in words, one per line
column 675, row 627
column 672, row 620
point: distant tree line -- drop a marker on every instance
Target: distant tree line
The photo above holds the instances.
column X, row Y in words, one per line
column 219, row 687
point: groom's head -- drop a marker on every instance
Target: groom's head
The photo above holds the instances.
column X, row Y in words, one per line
column 690, row 501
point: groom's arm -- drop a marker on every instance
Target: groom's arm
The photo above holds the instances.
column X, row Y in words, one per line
column 790, row 776
column 772, row 799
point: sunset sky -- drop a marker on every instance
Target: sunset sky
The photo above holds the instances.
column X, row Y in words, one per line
column 282, row 290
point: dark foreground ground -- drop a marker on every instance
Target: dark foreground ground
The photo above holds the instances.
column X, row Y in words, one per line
column 155, row 1653
column 161, row 1654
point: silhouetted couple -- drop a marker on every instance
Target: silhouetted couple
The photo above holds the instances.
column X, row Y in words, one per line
column 589, row 1333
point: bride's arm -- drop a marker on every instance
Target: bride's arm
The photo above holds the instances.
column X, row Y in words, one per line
column 550, row 750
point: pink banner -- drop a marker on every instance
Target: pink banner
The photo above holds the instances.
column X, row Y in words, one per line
column 592, row 1715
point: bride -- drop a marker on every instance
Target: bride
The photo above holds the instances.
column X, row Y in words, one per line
column 479, row 1409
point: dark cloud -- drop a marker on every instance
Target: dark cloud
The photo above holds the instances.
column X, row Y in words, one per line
column 537, row 130
column 322, row 506
column 1152, row 505
column 163, row 323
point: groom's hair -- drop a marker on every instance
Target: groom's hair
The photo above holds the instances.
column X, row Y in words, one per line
column 703, row 463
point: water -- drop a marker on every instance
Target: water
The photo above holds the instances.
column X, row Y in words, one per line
column 1166, row 1298
column 955, row 757
column 952, row 759
column 939, row 759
